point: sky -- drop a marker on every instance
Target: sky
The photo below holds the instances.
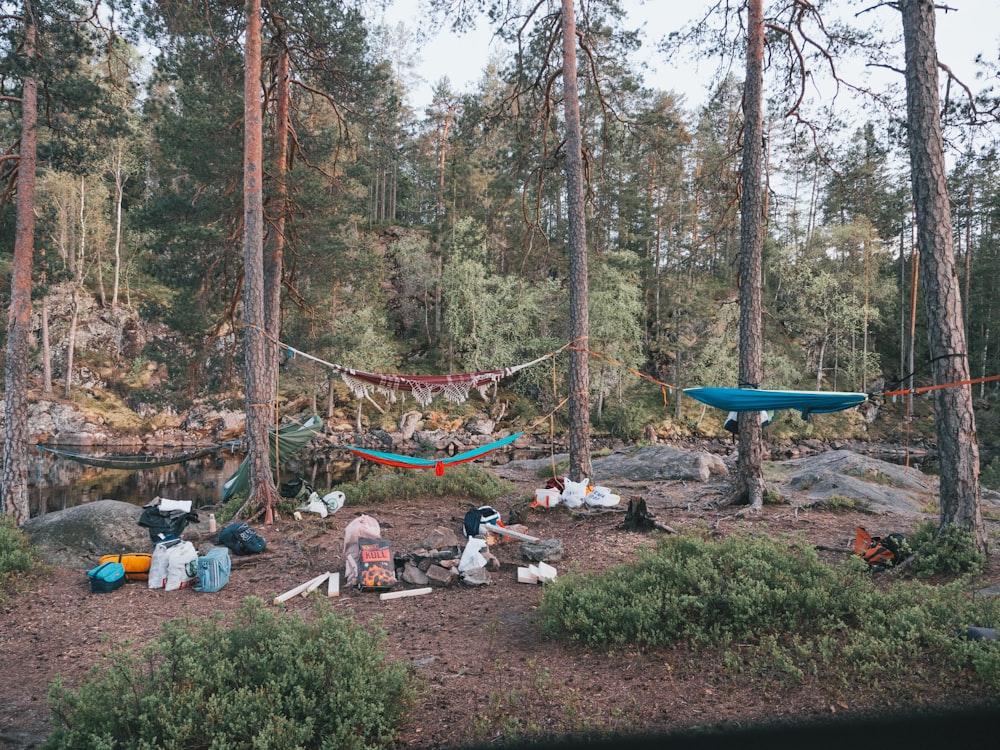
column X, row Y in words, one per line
column 973, row 27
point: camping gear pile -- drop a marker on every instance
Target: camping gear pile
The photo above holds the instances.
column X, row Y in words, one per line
column 564, row 491
column 174, row 562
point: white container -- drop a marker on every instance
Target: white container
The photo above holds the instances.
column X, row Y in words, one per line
column 546, row 498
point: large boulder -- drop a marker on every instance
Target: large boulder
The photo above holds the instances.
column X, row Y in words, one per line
column 878, row 486
column 659, row 462
column 77, row 537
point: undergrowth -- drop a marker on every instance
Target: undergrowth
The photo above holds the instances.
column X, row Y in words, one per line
column 16, row 554
column 767, row 604
column 473, row 482
column 269, row 680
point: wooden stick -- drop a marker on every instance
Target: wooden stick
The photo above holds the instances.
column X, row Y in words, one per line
column 501, row 531
column 407, row 592
column 315, row 582
column 300, row 588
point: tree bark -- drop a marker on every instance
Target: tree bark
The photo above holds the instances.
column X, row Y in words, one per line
column 259, row 401
column 579, row 311
column 954, row 416
column 749, row 486
column 14, row 490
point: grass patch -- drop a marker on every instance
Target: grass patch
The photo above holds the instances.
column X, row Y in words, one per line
column 840, row 502
column 473, row 482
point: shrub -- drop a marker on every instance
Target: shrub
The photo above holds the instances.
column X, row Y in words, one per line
column 695, row 590
column 270, row 680
column 949, row 550
column 15, row 550
column 785, row 608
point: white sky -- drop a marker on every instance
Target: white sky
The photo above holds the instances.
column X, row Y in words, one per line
column 974, row 27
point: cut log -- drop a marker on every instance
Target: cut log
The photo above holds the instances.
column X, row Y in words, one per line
column 315, row 582
column 300, row 588
column 406, row 592
column 501, row 531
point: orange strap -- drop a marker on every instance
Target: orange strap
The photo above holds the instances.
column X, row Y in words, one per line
column 926, row 388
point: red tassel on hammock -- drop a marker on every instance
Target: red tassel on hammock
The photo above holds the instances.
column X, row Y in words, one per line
column 438, row 469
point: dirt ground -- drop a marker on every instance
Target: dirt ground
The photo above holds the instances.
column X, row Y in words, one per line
column 478, row 652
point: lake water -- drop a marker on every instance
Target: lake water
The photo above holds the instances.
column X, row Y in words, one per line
column 56, row 482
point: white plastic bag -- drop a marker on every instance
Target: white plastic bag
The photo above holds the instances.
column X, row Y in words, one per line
column 159, row 562
column 315, row 505
column 574, row 492
column 182, row 566
column 334, row 500
column 602, row 497
column 472, row 555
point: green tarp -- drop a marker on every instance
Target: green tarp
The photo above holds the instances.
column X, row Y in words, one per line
column 290, row 439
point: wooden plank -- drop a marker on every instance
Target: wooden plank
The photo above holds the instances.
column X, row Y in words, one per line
column 333, row 589
column 315, row 582
column 299, row 589
column 501, row 531
column 406, row 592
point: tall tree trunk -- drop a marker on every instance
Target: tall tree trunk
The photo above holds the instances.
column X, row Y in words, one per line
column 14, row 490
column 259, row 401
column 749, row 486
column 579, row 311
column 118, row 169
column 74, row 319
column 46, row 347
column 954, row 417
column 274, row 257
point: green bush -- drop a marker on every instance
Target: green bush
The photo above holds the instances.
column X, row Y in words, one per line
column 783, row 606
column 270, row 680
column 15, row 551
column 947, row 551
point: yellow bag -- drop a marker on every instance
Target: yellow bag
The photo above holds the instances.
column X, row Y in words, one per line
column 136, row 564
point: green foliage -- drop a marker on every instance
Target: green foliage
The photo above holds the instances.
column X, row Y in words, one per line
column 16, row 554
column 625, row 421
column 472, row 482
column 950, row 550
column 787, row 609
column 989, row 477
column 269, row 680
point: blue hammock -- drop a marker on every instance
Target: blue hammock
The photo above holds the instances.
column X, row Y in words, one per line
column 753, row 399
column 438, row 464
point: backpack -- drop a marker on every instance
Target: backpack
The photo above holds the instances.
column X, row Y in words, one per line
column 241, row 539
column 880, row 552
column 476, row 516
column 296, row 489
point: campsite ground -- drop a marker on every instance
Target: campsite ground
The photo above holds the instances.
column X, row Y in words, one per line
column 484, row 667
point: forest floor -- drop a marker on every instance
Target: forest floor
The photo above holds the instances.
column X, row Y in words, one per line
column 486, row 672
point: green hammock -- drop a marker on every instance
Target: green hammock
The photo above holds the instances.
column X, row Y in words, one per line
column 138, row 462
column 290, row 439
